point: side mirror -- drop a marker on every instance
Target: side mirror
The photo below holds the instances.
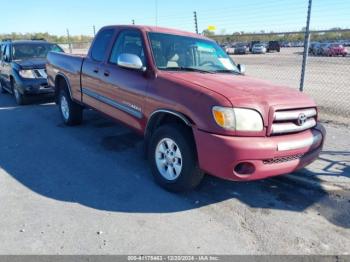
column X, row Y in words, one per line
column 130, row 61
column 241, row 69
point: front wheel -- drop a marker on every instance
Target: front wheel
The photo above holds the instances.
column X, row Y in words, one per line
column 2, row 89
column 20, row 98
column 173, row 159
column 71, row 112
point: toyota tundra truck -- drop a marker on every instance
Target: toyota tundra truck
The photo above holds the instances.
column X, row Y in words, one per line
column 198, row 112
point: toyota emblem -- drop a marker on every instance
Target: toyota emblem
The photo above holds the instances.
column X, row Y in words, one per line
column 302, row 119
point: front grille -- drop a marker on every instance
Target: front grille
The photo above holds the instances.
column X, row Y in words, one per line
column 293, row 121
column 40, row 73
column 280, row 160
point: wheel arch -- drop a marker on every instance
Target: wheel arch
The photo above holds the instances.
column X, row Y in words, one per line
column 164, row 116
column 61, row 81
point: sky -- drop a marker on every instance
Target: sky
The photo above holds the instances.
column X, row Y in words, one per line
column 79, row 16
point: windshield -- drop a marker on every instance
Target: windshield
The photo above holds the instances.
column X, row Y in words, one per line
column 174, row 52
column 33, row 50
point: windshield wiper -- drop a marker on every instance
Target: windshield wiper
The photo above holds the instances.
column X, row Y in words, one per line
column 190, row 69
column 228, row 71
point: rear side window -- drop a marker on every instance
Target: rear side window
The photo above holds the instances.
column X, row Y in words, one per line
column 101, row 43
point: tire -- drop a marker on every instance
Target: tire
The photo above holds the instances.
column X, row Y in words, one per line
column 71, row 112
column 165, row 167
column 2, row 89
column 20, row 98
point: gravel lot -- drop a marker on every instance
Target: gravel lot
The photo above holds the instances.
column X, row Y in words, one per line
column 327, row 78
column 88, row 190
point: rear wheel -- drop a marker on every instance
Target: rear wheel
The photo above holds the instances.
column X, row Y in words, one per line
column 173, row 158
column 71, row 112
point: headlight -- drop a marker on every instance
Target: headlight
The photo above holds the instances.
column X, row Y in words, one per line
column 239, row 119
column 27, row 74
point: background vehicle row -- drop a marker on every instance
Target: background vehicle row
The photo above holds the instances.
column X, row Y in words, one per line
column 255, row 47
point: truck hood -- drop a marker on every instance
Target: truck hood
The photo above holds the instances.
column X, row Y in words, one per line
column 244, row 91
column 36, row 63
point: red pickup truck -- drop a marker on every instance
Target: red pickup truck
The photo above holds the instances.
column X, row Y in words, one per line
column 195, row 107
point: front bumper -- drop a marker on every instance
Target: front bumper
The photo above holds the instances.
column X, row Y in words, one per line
column 34, row 87
column 220, row 155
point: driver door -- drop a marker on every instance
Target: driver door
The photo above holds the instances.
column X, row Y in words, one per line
column 125, row 89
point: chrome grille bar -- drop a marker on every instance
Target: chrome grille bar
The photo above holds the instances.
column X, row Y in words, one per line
column 284, row 128
column 294, row 114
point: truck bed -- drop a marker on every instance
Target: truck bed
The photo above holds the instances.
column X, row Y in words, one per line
column 68, row 65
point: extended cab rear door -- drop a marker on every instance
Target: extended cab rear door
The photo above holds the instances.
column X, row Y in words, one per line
column 92, row 71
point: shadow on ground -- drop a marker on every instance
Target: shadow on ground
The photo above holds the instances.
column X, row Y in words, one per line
column 101, row 165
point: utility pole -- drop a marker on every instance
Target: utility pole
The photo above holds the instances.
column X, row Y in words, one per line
column 156, row 6
column 195, row 21
column 69, row 42
column 94, row 30
column 306, row 47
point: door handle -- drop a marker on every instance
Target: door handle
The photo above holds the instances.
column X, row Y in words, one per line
column 106, row 74
column 96, row 71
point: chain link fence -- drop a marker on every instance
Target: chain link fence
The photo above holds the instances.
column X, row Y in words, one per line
column 79, row 48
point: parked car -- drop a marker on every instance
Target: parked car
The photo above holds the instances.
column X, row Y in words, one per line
column 315, row 48
column 323, row 49
column 22, row 68
column 287, row 44
column 230, row 49
column 252, row 44
column 312, row 47
column 259, row 49
column 274, row 46
column 241, row 49
column 195, row 107
column 335, row 50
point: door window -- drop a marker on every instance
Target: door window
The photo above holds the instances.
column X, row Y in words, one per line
column 7, row 53
column 128, row 42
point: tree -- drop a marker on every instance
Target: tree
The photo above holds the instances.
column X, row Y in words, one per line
column 208, row 33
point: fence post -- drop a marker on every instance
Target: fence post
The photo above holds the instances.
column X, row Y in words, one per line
column 306, row 47
column 69, row 42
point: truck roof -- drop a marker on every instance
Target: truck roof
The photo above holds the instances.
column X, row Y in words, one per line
column 157, row 29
